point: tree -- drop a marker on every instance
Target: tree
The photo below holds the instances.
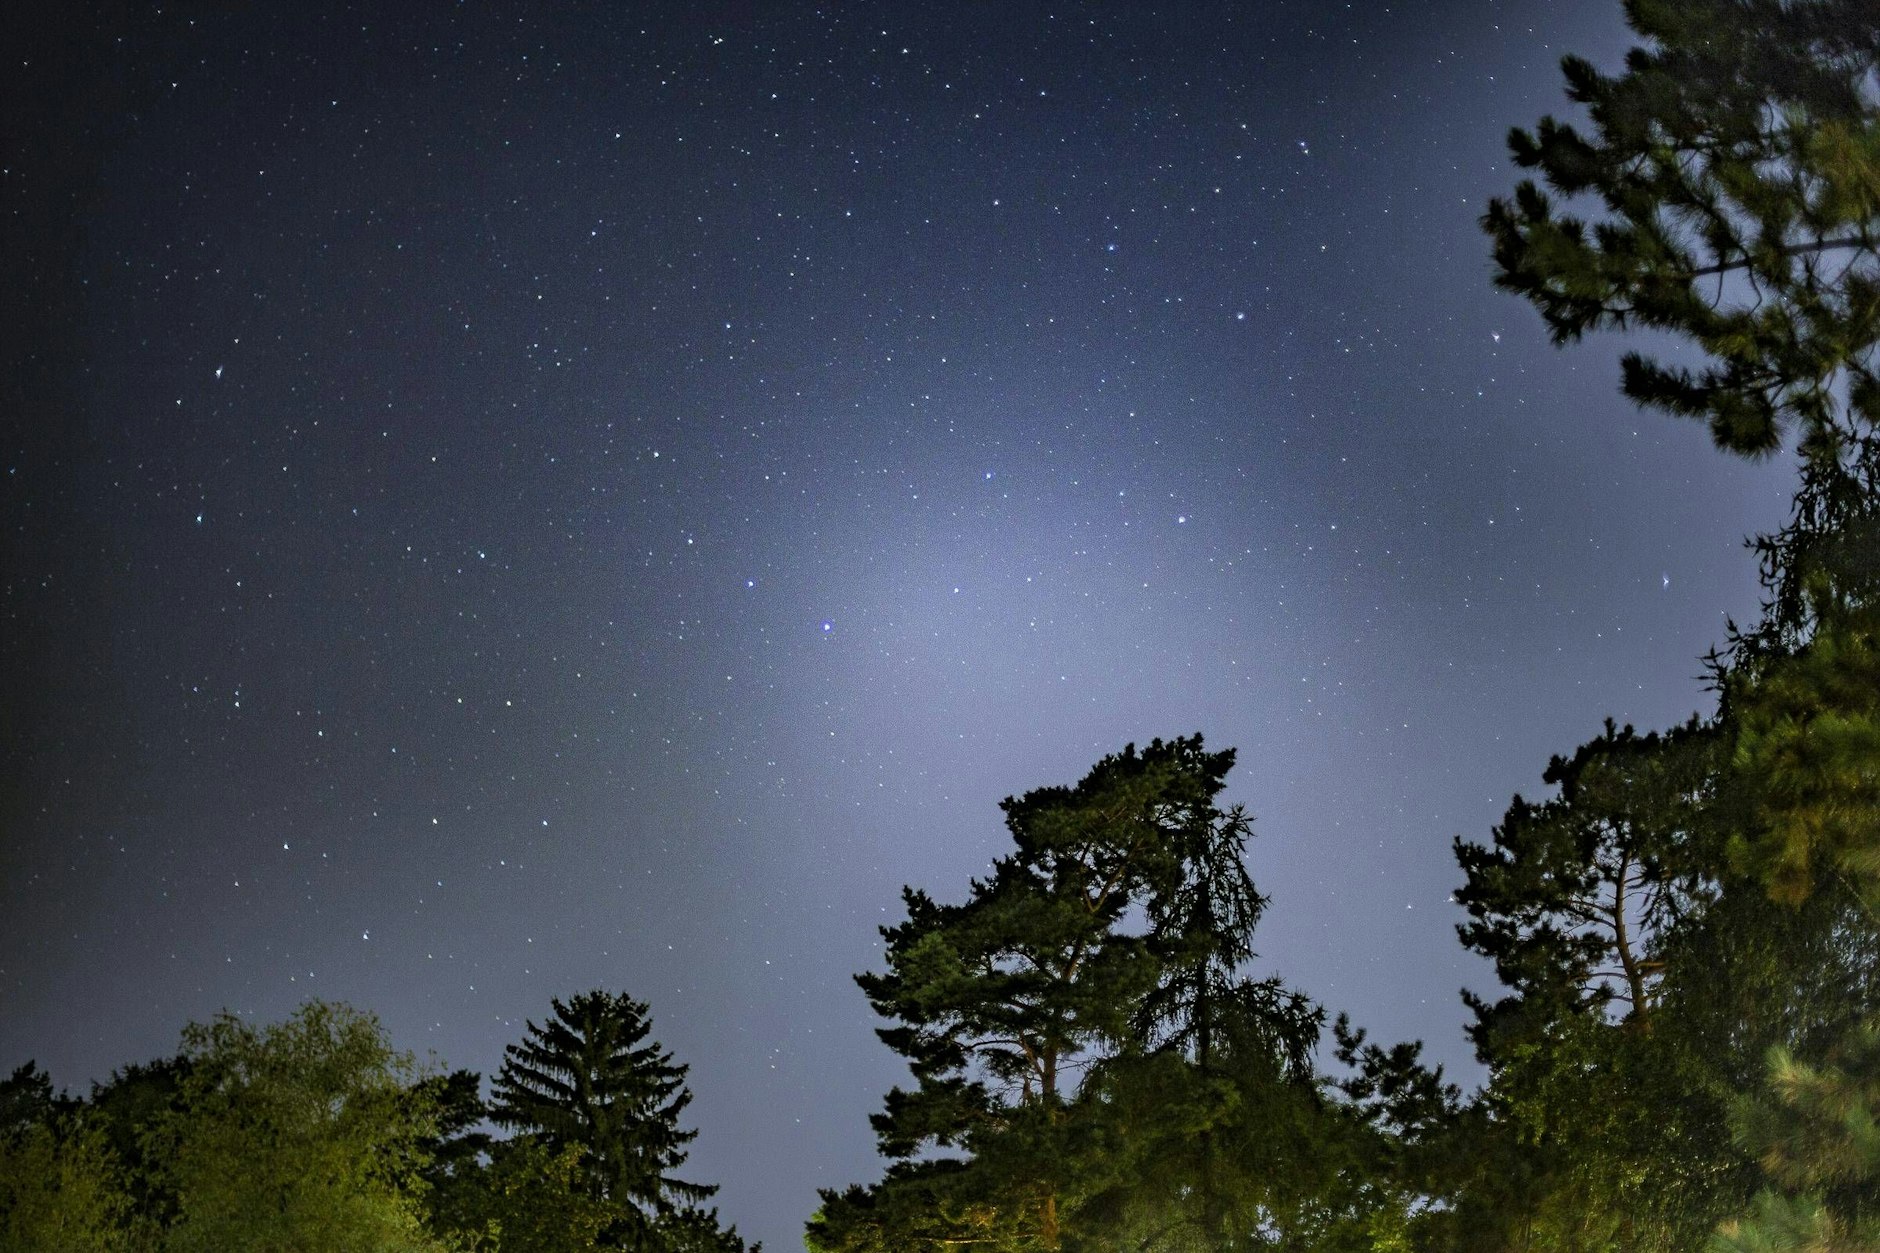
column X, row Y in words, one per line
column 1808, row 757
column 27, row 1099
column 61, row 1188
column 1405, row 1148
column 459, row 1184
column 526, row 1198
column 1039, row 1015
column 590, row 1079
column 1609, row 1082
column 1574, row 895
column 302, row 1135
column 1819, row 1140
column 1212, row 1101
column 135, row 1099
column 1808, row 748
column 1736, row 166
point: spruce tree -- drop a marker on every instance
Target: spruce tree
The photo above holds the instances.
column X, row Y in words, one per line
column 590, row 1078
column 1213, row 1094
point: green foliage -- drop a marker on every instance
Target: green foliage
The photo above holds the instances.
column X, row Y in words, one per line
column 1736, row 162
column 1808, row 748
column 1215, row 1157
column 1572, row 899
column 1405, row 1147
column 528, row 1198
column 299, row 1136
column 27, row 1100
column 1808, row 754
column 1734, row 171
column 134, row 1099
column 1818, row 1138
column 61, row 1189
column 1645, row 981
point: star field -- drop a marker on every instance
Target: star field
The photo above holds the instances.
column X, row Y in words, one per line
column 506, row 500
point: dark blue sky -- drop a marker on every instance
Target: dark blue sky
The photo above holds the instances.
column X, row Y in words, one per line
column 509, row 499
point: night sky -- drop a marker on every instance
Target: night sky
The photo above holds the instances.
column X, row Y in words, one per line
column 502, row 500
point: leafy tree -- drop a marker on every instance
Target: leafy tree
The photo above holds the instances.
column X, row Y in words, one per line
column 590, row 1079
column 1406, row 1150
column 27, row 1099
column 457, row 1176
column 126, row 1107
column 61, row 1188
column 526, row 1198
column 302, row 1135
column 1735, row 166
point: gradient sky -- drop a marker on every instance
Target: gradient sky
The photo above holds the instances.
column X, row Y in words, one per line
column 501, row 500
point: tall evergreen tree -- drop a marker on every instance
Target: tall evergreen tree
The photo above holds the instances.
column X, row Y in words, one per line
column 1808, row 759
column 1735, row 165
column 1038, row 1015
column 1734, row 169
column 1818, row 1137
column 590, row 1078
column 1572, row 898
column 1593, row 906
column 1214, row 1092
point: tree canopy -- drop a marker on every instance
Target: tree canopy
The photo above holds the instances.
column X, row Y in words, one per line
column 1081, row 1026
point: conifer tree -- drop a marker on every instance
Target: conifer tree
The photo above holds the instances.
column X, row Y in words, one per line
column 1640, row 994
column 1818, row 1137
column 1215, row 1084
column 1575, row 893
column 1051, row 1021
column 1735, row 170
column 1734, row 173
column 590, row 1078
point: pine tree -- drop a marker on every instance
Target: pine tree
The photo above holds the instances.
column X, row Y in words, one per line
column 589, row 1078
column 1735, row 166
column 1571, row 899
column 1819, row 1140
column 1808, row 749
column 1592, row 907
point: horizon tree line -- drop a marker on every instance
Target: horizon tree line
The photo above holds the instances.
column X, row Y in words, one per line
column 1684, row 1049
